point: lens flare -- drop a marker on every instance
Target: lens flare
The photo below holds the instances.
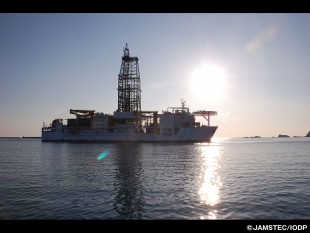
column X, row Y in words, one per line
column 104, row 154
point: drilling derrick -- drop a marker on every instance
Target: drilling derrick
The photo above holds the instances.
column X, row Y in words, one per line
column 129, row 90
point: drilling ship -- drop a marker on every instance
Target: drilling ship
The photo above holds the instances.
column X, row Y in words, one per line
column 129, row 123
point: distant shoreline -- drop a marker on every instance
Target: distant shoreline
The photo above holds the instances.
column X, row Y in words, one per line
column 20, row 137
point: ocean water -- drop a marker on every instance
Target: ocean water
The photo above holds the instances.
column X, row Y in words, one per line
column 236, row 178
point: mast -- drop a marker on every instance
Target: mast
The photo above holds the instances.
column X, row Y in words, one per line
column 129, row 89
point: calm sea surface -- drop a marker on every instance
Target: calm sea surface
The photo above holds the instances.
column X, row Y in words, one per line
column 239, row 178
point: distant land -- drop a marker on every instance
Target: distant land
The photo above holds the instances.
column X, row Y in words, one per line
column 284, row 135
column 20, row 137
column 280, row 136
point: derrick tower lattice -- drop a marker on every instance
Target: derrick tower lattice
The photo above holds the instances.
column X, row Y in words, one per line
column 129, row 89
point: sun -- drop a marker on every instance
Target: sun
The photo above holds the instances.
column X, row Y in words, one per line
column 208, row 82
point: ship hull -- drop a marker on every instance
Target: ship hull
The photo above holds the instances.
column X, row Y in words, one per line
column 197, row 134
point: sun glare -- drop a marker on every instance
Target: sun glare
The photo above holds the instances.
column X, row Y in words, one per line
column 208, row 82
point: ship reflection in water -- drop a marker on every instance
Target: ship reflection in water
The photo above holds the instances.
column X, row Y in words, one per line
column 209, row 191
column 128, row 182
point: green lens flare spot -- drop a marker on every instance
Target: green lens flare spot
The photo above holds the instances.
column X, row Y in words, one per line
column 103, row 155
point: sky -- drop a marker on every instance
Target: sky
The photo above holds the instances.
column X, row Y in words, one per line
column 252, row 68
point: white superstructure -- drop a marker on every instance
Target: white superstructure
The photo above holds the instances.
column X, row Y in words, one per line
column 175, row 125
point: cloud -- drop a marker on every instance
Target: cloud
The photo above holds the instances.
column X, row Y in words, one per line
column 260, row 39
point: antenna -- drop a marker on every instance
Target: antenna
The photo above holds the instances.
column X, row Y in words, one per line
column 183, row 104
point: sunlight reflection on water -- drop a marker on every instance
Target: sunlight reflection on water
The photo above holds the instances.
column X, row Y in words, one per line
column 211, row 182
